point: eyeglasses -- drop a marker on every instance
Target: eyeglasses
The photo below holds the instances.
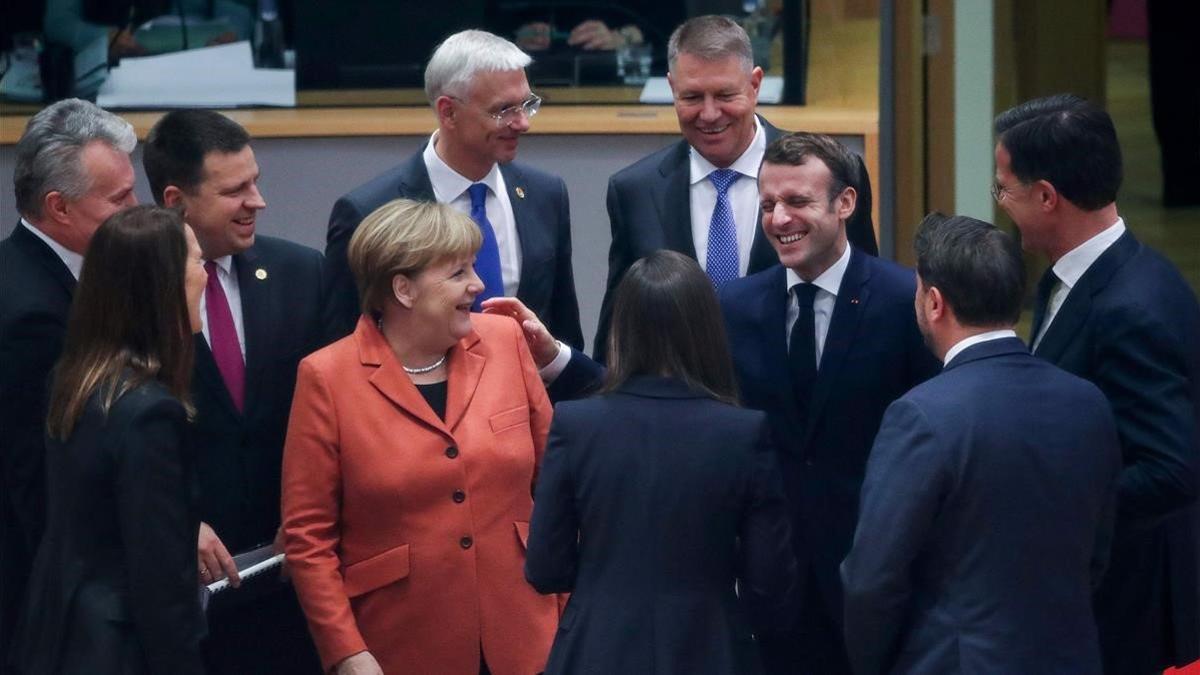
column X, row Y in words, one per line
column 507, row 116
column 999, row 192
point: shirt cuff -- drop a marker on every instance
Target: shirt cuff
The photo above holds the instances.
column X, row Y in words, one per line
column 555, row 367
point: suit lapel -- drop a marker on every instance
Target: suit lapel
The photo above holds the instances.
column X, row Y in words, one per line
column 514, row 185
column 463, row 372
column 852, row 299
column 37, row 250
column 1076, row 309
column 771, row 314
column 675, row 211
column 209, row 376
column 414, row 179
column 762, row 254
column 389, row 377
column 253, row 279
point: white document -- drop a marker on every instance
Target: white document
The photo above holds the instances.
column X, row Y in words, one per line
column 211, row 77
column 658, row 90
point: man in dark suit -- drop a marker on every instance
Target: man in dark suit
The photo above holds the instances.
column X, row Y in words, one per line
column 477, row 86
column 988, row 505
column 822, row 342
column 261, row 316
column 1118, row 314
column 72, row 172
column 699, row 196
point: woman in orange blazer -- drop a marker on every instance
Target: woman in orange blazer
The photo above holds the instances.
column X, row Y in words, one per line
column 408, row 469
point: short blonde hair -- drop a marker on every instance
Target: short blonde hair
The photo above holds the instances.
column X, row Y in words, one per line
column 404, row 237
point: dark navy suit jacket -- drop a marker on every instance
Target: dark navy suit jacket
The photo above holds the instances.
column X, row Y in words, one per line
column 649, row 208
column 543, row 219
column 35, row 297
column 1132, row 326
column 986, row 517
column 873, row 354
column 650, row 502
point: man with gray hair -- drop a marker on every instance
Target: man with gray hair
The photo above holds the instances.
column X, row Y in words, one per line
column 699, row 196
column 476, row 83
column 72, row 172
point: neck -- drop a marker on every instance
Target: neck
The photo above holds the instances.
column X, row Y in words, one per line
column 459, row 158
column 956, row 333
column 65, row 235
column 1080, row 226
column 407, row 345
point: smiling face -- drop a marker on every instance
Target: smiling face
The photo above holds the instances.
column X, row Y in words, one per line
column 222, row 209
column 440, row 299
column 1019, row 201
column 474, row 133
column 715, row 102
column 806, row 229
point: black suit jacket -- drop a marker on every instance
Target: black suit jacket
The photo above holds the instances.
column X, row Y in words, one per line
column 873, row 354
column 648, row 524
column 986, row 518
column 543, row 219
column 649, row 208
column 1132, row 326
column 241, row 453
column 35, row 296
column 114, row 583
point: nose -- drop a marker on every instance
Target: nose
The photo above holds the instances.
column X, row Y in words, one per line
column 475, row 285
column 709, row 111
column 255, row 199
column 779, row 214
column 520, row 122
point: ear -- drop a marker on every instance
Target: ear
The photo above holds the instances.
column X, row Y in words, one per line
column 935, row 304
column 445, row 110
column 403, row 291
column 55, row 207
column 172, row 197
column 1047, row 195
column 756, row 78
column 845, row 202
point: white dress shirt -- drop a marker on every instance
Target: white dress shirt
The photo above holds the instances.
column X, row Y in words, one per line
column 450, row 187
column 976, row 339
column 827, row 283
column 743, row 199
column 1070, row 269
column 71, row 259
column 233, row 295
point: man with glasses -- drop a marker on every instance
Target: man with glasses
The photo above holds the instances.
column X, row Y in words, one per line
column 1117, row 313
column 476, row 83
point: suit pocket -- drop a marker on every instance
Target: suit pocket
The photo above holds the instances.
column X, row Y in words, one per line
column 522, row 533
column 375, row 572
column 509, row 419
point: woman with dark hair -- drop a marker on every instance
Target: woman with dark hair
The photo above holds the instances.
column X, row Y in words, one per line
column 114, row 587
column 659, row 494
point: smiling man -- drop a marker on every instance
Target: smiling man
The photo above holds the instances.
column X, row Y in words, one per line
column 476, row 83
column 822, row 342
column 699, row 196
column 261, row 312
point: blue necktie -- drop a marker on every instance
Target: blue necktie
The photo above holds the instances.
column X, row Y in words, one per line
column 722, row 262
column 487, row 261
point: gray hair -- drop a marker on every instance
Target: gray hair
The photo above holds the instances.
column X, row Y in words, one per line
column 711, row 38
column 48, row 152
column 456, row 61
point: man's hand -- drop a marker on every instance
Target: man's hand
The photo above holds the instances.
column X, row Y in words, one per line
column 542, row 344
column 361, row 663
column 594, row 35
column 215, row 561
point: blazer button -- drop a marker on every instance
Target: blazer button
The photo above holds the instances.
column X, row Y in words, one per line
column 465, row 542
column 459, row 496
column 452, row 452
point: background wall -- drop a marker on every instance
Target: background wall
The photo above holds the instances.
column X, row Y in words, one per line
column 303, row 177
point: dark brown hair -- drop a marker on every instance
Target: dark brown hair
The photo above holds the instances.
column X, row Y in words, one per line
column 666, row 321
column 129, row 319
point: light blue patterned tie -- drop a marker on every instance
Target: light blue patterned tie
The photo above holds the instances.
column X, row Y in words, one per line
column 487, row 261
column 722, row 262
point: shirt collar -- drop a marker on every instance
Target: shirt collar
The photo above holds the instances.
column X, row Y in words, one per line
column 830, row 280
column 976, row 339
column 225, row 262
column 746, row 164
column 71, row 259
column 1071, row 266
column 449, row 184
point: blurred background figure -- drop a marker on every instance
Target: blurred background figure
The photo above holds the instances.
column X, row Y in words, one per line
column 113, row 588
column 659, row 494
column 410, row 459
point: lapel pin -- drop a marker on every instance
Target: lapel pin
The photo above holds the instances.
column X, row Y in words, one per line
column 260, row 274
column 854, row 301
column 520, row 192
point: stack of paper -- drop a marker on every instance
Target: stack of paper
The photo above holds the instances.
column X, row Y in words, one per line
column 211, row 77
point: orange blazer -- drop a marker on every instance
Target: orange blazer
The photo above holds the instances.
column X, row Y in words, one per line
column 405, row 535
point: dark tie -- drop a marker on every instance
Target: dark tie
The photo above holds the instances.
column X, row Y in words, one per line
column 722, row 262
column 223, row 339
column 487, row 261
column 802, row 348
column 1044, row 288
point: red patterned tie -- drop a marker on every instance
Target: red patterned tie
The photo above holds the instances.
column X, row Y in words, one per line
column 222, row 337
